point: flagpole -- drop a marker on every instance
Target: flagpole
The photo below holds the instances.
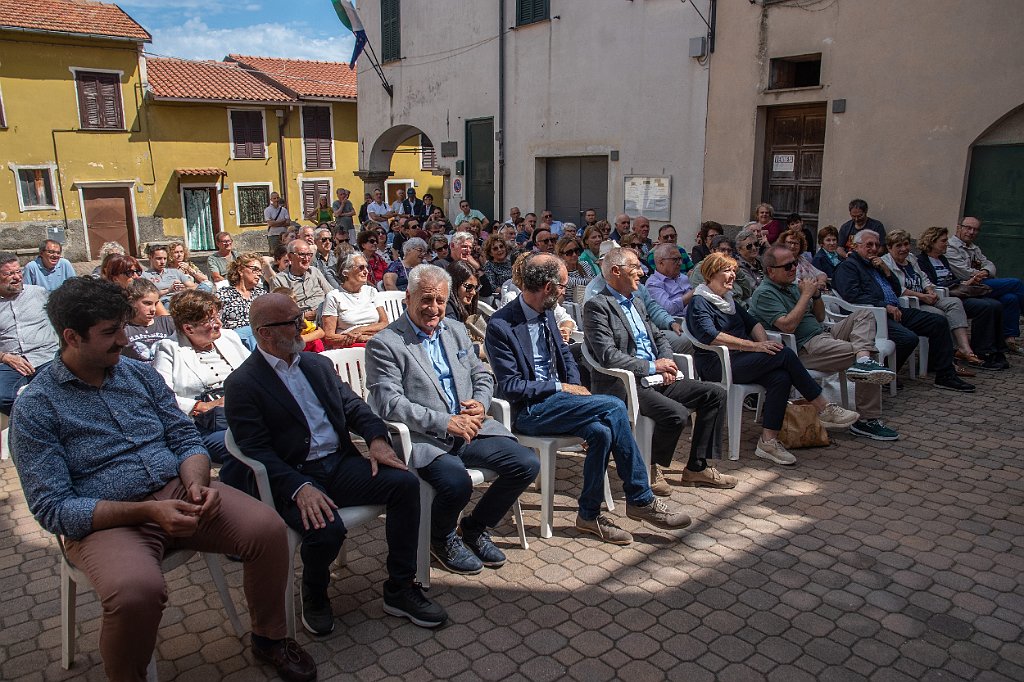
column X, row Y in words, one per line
column 380, row 71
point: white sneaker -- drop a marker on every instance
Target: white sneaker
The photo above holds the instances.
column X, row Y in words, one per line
column 837, row 417
column 775, row 451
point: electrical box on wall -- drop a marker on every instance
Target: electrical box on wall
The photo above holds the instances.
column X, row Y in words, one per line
column 460, row 167
column 699, row 47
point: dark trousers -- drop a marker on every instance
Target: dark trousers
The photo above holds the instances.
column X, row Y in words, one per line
column 986, row 315
column 1009, row 291
column 347, row 480
column 11, row 381
column 777, row 373
column 916, row 323
column 669, row 407
column 516, row 466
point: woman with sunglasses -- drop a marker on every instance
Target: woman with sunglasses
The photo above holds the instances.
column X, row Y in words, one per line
column 414, row 251
column 122, row 269
column 498, row 260
column 465, row 292
column 245, row 285
column 369, row 242
column 351, row 314
column 195, row 363
column 440, row 253
column 569, row 250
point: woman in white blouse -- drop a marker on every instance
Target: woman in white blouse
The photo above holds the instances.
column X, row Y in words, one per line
column 351, row 314
column 196, row 362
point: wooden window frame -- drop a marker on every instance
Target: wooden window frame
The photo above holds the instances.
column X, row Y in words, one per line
column 532, row 11
column 238, row 206
column 390, row 50
column 428, row 161
column 302, row 129
column 77, row 72
column 302, row 206
column 3, row 112
column 51, row 168
column 231, row 133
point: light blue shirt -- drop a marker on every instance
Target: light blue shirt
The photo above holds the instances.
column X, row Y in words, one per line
column 644, row 346
column 435, row 351
column 535, row 323
column 36, row 273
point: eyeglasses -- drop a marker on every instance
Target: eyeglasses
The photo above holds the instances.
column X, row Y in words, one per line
column 298, row 322
column 552, row 240
column 749, row 247
column 361, row 268
column 669, row 236
column 571, row 252
column 470, row 288
column 325, row 239
column 254, row 269
column 302, row 255
column 371, row 241
column 12, row 273
column 51, row 252
column 211, row 323
column 791, row 265
column 675, row 259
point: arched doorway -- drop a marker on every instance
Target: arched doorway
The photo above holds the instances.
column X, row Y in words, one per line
column 401, row 157
column 995, row 192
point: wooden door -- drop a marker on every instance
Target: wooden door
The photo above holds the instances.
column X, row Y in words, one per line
column 480, row 165
column 794, row 152
column 109, row 218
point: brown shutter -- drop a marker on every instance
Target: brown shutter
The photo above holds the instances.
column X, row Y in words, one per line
column 316, row 140
column 247, row 134
column 3, row 120
column 88, row 100
column 99, row 100
column 109, row 89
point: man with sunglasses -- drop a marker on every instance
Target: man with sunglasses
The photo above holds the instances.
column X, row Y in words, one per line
column 667, row 235
column 544, row 240
column 785, row 305
column 324, row 259
column 307, row 282
column 313, row 465
column 27, row 340
column 747, row 248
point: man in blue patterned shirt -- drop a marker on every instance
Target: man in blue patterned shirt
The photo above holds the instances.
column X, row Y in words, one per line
column 108, row 461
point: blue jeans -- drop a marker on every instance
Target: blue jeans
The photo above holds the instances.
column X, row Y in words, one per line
column 516, row 466
column 1010, row 292
column 11, row 381
column 602, row 421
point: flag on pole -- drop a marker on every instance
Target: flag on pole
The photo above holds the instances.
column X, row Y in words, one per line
column 347, row 13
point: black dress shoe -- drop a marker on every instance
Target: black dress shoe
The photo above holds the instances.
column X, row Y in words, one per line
column 317, row 616
column 290, row 661
column 954, row 383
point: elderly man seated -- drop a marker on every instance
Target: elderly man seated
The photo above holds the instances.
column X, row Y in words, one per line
column 668, row 285
column 536, row 372
column 864, row 279
column 422, row 371
column 290, row 411
column 307, row 282
column 969, row 263
column 50, row 269
column 324, row 259
column 27, row 340
column 619, row 334
column 785, row 306
column 108, row 461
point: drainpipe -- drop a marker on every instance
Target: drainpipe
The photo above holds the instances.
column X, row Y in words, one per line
column 501, row 109
column 282, row 163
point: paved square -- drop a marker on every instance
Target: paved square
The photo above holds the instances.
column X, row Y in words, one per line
column 879, row 561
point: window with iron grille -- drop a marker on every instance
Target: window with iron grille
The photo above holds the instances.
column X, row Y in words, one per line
column 36, row 188
column 390, row 30
column 99, row 100
column 532, row 11
column 247, row 134
column 316, row 138
column 252, row 200
column 428, row 155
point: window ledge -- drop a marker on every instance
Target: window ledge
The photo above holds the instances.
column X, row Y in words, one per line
column 39, row 208
column 800, row 89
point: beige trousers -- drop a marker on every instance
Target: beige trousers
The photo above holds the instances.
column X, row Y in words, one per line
column 836, row 350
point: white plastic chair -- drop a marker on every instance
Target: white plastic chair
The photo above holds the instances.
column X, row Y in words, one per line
column 352, row 517
column 71, row 577
column 837, row 309
column 737, row 393
column 546, row 447
column 393, row 303
column 350, row 364
column 5, row 449
column 484, row 309
column 922, row 349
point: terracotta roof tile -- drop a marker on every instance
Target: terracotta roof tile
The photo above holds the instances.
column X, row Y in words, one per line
column 202, row 80
column 304, row 77
column 71, row 16
column 200, row 171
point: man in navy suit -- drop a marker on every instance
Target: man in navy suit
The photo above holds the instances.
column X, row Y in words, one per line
column 536, row 372
column 290, row 411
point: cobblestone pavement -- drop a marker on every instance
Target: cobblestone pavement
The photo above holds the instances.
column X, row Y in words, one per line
column 880, row 561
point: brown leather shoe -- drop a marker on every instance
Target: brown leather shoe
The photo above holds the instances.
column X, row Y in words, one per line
column 962, row 371
column 659, row 486
column 290, row 661
column 708, row 478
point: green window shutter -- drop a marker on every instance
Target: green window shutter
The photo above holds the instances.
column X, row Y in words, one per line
column 390, row 30
column 532, row 11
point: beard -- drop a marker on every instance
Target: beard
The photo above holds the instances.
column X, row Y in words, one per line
column 550, row 302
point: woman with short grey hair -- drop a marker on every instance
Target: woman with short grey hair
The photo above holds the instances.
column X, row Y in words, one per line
column 352, row 313
column 396, row 277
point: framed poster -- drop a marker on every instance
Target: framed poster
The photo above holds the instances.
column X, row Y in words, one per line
column 649, row 196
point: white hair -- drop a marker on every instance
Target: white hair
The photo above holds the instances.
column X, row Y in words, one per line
column 460, row 237
column 859, row 237
column 427, row 274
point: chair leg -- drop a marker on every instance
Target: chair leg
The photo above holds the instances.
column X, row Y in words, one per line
column 289, row 589
column 922, row 356
column 68, row 602
column 217, row 575
column 891, row 362
column 844, row 390
column 423, row 543
column 547, row 489
column 151, row 669
column 760, row 406
column 608, row 501
column 517, row 514
column 735, row 417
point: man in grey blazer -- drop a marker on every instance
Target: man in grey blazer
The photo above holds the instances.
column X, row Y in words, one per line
column 422, row 371
column 619, row 333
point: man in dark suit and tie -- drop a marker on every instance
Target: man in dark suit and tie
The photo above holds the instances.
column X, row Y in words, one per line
column 619, row 334
column 423, row 371
column 290, row 411
column 537, row 374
